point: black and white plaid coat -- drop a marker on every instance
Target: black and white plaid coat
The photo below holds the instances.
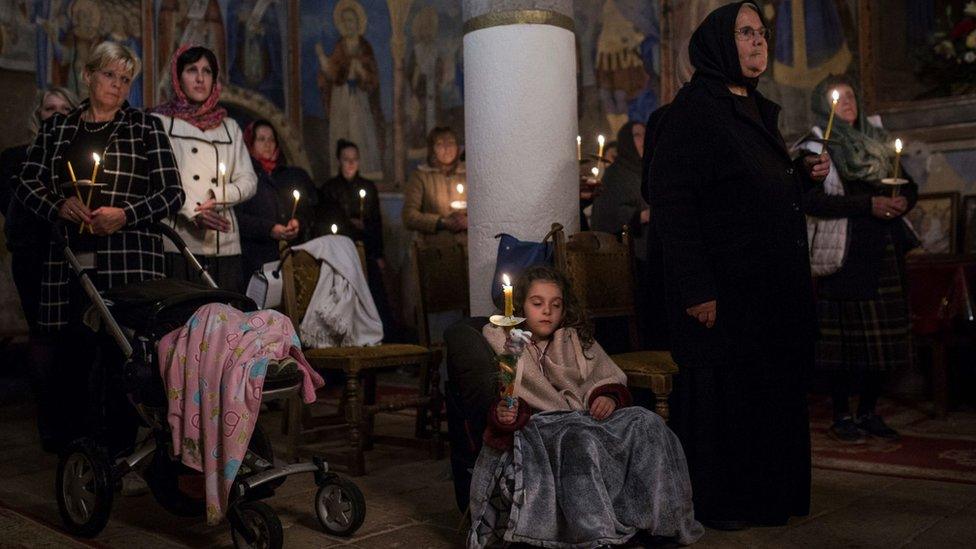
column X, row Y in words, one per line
column 141, row 177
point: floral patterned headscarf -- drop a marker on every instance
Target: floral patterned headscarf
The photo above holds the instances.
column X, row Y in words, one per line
column 205, row 116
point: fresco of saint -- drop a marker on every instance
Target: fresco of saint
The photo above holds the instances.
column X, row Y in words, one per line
column 349, row 83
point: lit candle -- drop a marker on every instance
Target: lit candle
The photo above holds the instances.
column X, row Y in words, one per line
column 579, row 148
column 294, row 208
column 362, row 203
column 596, row 172
column 223, row 181
column 97, row 160
column 460, row 188
column 898, row 146
column 223, row 194
column 335, row 228
column 600, row 141
column 834, row 98
column 507, row 292
column 894, row 189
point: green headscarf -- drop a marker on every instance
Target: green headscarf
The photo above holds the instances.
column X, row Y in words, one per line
column 859, row 151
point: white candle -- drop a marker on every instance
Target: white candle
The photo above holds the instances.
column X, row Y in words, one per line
column 600, row 141
column 579, row 148
column 362, row 203
column 223, row 181
column 294, row 208
column 898, row 146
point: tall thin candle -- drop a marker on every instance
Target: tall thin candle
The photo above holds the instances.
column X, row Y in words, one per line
column 294, row 208
column 579, row 148
column 362, row 203
column 834, row 98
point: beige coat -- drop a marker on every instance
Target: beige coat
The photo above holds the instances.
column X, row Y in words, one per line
column 198, row 154
column 427, row 197
column 568, row 375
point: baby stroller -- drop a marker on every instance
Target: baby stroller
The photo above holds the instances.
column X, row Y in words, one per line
column 134, row 318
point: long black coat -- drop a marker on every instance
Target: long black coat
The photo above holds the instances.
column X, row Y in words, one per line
column 726, row 198
column 272, row 204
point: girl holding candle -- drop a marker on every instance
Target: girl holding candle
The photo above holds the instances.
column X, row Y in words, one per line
column 861, row 307
column 266, row 219
column 572, row 400
column 202, row 137
column 142, row 186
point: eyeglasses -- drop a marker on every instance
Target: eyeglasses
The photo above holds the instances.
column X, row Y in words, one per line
column 749, row 33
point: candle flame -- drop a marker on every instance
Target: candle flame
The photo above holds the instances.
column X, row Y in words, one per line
column 595, row 171
column 898, row 146
column 96, row 158
column 835, row 96
column 362, row 193
column 600, row 139
column 223, row 168
column 579, row 140
column 505, row 280
column 460, row 188
column 296, row 194
column 335, row 228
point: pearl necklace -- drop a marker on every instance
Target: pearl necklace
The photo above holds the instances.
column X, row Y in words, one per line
column 99, row 128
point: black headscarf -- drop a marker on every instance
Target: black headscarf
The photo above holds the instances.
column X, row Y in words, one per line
column 627, row 155
column 712, row 49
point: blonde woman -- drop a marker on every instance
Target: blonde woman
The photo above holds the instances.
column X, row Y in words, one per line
column 27, row 235
column 142, row 186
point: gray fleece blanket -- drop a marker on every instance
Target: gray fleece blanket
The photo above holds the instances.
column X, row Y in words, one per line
column 573, row 482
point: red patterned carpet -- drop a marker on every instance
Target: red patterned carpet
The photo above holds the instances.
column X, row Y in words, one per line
column 934, row 449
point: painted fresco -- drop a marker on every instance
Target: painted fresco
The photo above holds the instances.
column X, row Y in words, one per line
column 619, row 61
column 69, row 30
column 347, row 80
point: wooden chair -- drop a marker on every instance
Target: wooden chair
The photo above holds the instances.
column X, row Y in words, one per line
column 442, row 275
column 357, row 408
column 601, row 269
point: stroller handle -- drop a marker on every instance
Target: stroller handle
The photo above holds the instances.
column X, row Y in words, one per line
column 58, row 232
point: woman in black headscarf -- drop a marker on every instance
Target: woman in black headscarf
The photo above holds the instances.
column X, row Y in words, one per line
column 621, row 203
column 726, row 200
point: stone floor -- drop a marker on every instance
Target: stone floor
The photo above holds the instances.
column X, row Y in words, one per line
column 410, row 504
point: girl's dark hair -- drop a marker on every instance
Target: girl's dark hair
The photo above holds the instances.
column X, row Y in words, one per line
column 574, row 315
column 344, row 144
column 433, row 136
column 264, row 123
column 193, row 55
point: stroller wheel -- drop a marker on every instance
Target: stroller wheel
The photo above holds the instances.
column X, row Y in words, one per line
column 262, row 525
column 84, row 488
column 340, row 506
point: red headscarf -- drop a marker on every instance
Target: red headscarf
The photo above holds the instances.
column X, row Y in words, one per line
column 205, row 116
column 267, row 164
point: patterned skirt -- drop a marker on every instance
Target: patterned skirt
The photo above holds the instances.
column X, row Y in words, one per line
column 871, row 335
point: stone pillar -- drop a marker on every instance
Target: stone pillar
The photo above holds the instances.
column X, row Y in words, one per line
column 520, row 128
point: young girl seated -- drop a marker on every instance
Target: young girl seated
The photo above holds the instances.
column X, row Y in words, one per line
column 570, row 463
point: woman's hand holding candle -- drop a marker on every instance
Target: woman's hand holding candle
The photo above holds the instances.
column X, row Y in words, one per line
column 73, row 209
column 106, row 220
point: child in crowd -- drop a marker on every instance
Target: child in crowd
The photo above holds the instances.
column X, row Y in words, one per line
column 570, row 463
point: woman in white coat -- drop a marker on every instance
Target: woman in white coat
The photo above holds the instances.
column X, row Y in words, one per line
column 203, row 138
